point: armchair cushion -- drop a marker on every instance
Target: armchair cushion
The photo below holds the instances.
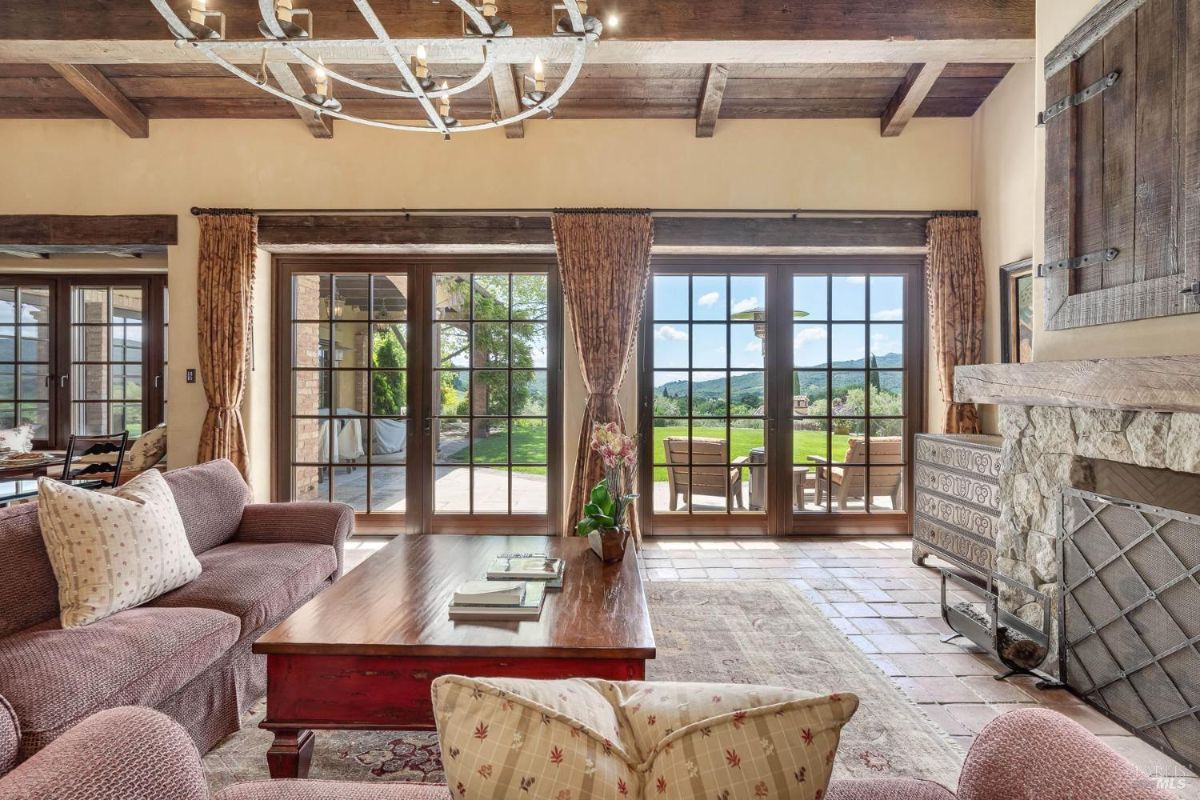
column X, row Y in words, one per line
column 55, row 677
column 125, row 753
column 331, row 790
column 10, row 736
column 257, row 583
column 1035, row 753
column 315, row 523
column 887, row 789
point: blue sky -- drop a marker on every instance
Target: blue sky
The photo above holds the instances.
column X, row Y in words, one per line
column 814, row 340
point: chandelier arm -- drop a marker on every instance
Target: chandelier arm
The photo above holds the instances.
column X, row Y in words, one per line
column 568, row 79
column 485, row 72
column 266, row 10
column 477, row 19
column 572, row 9
column 368, row 13
column 172, row 19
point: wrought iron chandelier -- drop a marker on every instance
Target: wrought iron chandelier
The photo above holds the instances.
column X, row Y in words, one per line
column 486, row 38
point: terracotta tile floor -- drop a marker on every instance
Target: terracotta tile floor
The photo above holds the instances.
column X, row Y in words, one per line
column 889, row 608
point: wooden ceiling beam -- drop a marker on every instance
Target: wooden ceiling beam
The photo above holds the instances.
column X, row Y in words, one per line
column 508, row 98
column 710, row 100
column 68, row 233
column 826, row 20
column 909, row 97
column 108, row 100
column 613, row 51
column 320, row 126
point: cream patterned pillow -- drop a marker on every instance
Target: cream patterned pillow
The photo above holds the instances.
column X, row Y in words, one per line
column 113, row 551
column 575, row 739
column 147, row 450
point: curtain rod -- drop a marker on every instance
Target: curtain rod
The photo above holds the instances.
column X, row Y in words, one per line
column 664, row 212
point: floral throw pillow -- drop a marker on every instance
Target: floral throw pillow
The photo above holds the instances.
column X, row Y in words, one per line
column 575, row 739
column 18, row 439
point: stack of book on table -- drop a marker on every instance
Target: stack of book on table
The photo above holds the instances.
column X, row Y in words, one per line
column 514, row 589
column 498, row 600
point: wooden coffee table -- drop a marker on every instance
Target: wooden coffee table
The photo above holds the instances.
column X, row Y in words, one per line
column 362, row 654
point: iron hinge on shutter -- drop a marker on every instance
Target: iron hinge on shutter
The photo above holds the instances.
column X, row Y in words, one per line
column 1079, row 98
column 1078, row 261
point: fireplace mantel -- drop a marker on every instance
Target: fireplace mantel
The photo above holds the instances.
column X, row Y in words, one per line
column 1158, row 383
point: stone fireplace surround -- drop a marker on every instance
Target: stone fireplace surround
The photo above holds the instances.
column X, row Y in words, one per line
column 1060, row 422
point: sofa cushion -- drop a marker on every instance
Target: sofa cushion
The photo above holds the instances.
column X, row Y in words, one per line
column 28, row 591
column 113, row 551
column 210, row 497
column 257, row 583
column 54, row 676
column 10, row 736
column 550, row 740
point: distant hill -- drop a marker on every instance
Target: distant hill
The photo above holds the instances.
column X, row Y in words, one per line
column 752, row 383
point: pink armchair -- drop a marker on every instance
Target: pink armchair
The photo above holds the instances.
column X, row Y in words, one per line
column 139, row 754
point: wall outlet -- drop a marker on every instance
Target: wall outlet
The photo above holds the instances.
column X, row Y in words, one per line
column 189, row 375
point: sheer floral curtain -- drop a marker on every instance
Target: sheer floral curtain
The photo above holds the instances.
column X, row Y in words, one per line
column 954, row 275
column 228, row 241
column 604, row 261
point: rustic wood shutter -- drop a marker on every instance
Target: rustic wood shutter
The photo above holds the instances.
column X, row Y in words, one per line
column 1123, row 166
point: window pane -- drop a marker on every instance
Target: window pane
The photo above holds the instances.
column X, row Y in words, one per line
column 887, row 393
column 450, row 445
column 310, row 483
column 849, row 345
column 350, row 293
column 887, row 297
column 670, row 297
column 671, row 393
column 529, row 299
column 452, row 397
column 35, row 343
column 350, row 344
column 529, row 441
column 389, row 441
column 530, row 393
column 490, row 441
column 708, row 346
column 490, row 393
column 709, row 299
column 8, row 305
column 849, row 297
column 389, row 346
column 490, row 346
column 747, row 394
column 810, row 297
column 491, row 296
column 747, row 346
column 748, row 297
column 389, row 297
column 849, row 393
column 310, row 441
column 671, row 346
column 389, row 391
column 709, row 394
column 490, row 490
column 887, row 345
column 810, row 345
column 451, row 295
column 388, row 489
column 452, row 343
column 529, row 345
column 810, row 393
column 452, row 489
column 310, row 344
column 310, row 297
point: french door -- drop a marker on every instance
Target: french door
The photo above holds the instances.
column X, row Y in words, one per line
column 780, row 395
column 422, row 393
column 82, row 354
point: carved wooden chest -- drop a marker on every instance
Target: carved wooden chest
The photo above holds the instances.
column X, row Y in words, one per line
column 956, row 499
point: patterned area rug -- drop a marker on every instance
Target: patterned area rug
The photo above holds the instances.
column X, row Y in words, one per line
column 762, row 632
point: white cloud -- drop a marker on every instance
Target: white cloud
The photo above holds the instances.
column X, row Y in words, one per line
column 860, row 279
column 889, row 313
column 754, row 346
column 809, row 336
column 749, row 304
column 882, row 344
column 670, row 332
column 709, row 299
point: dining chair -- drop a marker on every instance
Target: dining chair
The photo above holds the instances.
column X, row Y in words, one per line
column 96, row 457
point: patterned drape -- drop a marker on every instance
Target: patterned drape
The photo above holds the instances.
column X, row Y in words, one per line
column 954, row 275
column 604, row 260
column 223, row 297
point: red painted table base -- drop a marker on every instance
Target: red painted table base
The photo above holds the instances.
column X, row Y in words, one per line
column 306, row 692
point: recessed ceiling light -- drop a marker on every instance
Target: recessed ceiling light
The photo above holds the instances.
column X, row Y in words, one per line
column 612, row 20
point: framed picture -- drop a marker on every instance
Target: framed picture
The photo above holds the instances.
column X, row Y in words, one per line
column 1016, row 312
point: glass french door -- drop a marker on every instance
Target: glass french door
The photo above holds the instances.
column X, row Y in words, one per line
column 423, row 394
column 779, row 395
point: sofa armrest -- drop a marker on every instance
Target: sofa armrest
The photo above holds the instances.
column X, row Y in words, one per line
column 886, row 789
column 127, row 753
column 1034, row 754
column 332, row 790
column 312, row 523
column 10, row 736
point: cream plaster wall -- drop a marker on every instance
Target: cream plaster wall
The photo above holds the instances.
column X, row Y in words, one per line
column 89, row 167
column 1003, row 183
column 1178, row 335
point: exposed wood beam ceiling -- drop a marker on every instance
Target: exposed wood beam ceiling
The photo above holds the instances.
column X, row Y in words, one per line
column 35, row 235
column 508, row 93
column 917, row 85
column 710, row 99
column 108, row 100
column 786, row 60
column 321, row 127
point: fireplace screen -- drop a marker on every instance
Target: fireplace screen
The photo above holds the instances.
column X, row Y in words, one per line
column 1130, row 618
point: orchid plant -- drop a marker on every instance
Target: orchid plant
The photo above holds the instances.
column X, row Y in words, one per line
column 612, row 497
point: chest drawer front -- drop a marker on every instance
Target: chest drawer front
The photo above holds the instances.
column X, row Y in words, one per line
column 983, row 462
column 957, row 515
column 956, row 486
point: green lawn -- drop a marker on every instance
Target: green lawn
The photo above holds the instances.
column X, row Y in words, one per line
column 529, row 444
column 804, row 443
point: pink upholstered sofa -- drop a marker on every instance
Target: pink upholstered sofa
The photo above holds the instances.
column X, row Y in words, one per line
column 138, row 754
column 186, row 653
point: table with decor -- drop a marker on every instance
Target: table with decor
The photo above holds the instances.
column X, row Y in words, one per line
column 362, row 654
column 36, row 464
column 12, row 491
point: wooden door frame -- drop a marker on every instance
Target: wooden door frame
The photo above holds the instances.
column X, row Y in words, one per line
column 779, row 518
column 419, row 516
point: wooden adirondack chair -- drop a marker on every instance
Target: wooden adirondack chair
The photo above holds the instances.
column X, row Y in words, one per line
column 708, row 481
column 849, row 482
